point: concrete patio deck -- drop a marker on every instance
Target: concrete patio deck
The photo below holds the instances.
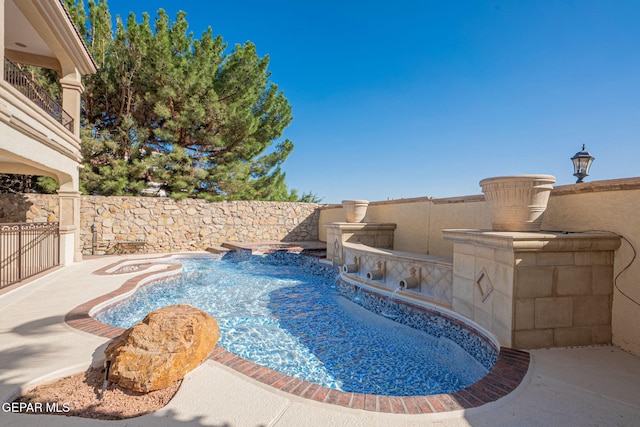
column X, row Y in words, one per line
column 594, row 386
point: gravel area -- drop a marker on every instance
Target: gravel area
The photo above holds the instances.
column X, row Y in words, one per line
column 79, row 395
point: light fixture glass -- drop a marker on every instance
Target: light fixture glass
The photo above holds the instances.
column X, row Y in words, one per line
column 582, row 161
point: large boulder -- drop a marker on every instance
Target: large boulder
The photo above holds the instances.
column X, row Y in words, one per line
column 162, row 348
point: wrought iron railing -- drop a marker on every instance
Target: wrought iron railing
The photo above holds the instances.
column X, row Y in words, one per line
column 27, row 249
column 29, row 88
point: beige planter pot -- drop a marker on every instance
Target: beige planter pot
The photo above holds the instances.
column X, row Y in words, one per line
column 518, row 202
column 355, row 210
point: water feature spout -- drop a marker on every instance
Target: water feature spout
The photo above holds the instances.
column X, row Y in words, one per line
column 378, row 273
column 411, row 282
column 353, row 267
column 375, row 275
column 408, row 283
column 350, row 268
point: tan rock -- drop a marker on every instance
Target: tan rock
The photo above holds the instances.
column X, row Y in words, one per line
column 162, row 348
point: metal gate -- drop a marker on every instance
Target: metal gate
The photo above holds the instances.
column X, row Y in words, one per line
column 27, row 249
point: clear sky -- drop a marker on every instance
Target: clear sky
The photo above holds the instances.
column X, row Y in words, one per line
column 410, row 98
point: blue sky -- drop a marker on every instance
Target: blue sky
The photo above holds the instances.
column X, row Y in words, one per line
column 410, row 98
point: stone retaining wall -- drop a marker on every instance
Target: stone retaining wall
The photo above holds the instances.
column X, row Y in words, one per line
column 172, row 225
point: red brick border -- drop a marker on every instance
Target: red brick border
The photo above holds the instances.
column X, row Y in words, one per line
column 509, row 370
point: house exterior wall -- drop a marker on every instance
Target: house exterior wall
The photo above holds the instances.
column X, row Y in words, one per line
column 31, row 141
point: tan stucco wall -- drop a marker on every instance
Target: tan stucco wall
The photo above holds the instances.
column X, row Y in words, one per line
column 412, row 217
column 611, row 205
column 615, row 210
column 420, row 221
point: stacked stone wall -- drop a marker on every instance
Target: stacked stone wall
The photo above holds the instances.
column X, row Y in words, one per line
column 168, row 225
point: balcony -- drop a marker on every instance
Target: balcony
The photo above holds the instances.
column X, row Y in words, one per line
column 29, row 88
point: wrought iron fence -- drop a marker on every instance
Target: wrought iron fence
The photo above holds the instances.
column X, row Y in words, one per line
column 27, row 249
column 29, row 88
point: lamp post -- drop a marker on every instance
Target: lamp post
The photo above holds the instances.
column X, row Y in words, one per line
column 581, row 163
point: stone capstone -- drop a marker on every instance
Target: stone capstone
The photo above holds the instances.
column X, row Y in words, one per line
column 162, row 348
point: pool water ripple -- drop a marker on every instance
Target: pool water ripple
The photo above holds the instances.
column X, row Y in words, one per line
column 292, row 319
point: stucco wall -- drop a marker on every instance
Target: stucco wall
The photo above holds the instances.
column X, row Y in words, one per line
column 609, row 206
column 420, row 221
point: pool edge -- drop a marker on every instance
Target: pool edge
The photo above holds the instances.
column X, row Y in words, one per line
column 504, row 377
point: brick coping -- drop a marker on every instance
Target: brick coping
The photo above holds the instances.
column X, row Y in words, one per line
column 508, row 372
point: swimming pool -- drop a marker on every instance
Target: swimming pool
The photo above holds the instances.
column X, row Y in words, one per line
column 291, row 314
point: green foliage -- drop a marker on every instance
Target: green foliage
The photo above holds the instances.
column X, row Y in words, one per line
column 15, row 183
column 46, row 185
column 167, row 108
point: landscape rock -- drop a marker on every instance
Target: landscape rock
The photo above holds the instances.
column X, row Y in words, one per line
column 162, row 348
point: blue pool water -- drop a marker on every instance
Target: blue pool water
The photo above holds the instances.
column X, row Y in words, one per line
column 293, row 319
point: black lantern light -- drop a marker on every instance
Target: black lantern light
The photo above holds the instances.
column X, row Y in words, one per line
column 581, row 163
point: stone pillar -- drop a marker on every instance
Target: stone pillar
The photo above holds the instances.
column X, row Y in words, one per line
column 535, row 289
column 2, row 47
column 376, row 235
column 72, row 89
column 70, row 250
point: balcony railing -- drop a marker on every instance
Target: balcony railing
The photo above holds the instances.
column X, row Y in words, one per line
column 29, row 88
column 27, row 249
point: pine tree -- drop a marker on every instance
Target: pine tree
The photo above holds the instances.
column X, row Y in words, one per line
column 165, row 107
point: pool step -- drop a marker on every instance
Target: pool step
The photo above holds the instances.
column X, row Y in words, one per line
column 316, row 253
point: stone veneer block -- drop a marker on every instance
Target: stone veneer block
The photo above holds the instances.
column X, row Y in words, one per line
column 465, row 266
column 466, row 249
column 553, row 313
column 462, row 307
column 565, row 337
column 502, row 308
column 554, row 258
column 483, row 318
column 534, row 282
column 502, row 332
column 592, row 310
column 550, row 288
column 594, row 258
column 536, row 338
column 463, row 289
column 505, row 257
column 602, row 276
column 485, row 253
column 525, row 259
column 574, row 280
column 483, row 292
column 525, row 314
column 503, row 279
column 601, row 334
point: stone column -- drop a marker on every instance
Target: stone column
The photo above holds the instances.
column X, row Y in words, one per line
column 70, row 249
column 535, row 289
column 376, row 235
column 72, row 89
column 2, row 18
